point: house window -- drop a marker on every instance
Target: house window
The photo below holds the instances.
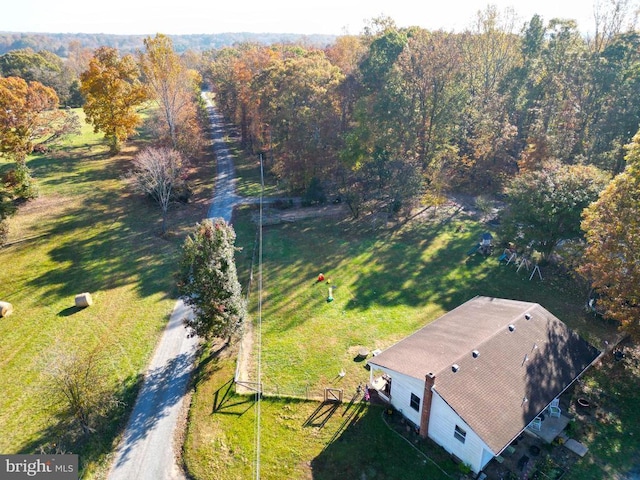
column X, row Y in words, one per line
column 415, row 402
column 460, row 434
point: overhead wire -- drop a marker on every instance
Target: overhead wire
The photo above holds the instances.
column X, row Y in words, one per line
column 258, row 432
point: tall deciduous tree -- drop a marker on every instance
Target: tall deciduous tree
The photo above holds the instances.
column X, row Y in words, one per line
column 171, row 85
column 612, row 257
column 24, row 115
column 487, row 144
column 612, row 17
column 431, row 86
column 208, row 282
column 346, row 53
column 614, row 110
column 298, row 100
column 159, row 172
column 545, row 206
column 233, row 72
column 42, row 66
column 376, row 141
column 112, row 91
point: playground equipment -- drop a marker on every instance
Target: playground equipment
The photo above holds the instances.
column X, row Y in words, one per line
column 508, row 255
column 486, row 243
column 511, row 256
column 536, row 269
column 484, row 246
column 523, row 262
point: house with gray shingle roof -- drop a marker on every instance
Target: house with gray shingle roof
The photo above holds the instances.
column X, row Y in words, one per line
column 475, row 378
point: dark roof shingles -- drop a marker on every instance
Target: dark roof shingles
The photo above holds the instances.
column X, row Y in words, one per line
column 514, row 378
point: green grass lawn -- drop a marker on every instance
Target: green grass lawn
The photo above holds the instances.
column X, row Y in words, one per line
column 611, row 430
column 387, row 283
column 85, row 233
column 299, row 438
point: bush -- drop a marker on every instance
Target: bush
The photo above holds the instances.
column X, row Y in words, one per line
column 4, row 231
column 314, row 194
column 20, row 181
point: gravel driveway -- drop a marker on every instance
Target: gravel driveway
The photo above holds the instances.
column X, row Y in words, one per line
column 146, row 451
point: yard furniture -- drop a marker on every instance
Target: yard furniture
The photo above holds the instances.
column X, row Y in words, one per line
column 554, row 409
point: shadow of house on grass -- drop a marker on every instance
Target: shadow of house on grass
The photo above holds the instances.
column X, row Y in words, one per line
column 364, row 447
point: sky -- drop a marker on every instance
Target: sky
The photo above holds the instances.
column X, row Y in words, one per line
column 335, row 17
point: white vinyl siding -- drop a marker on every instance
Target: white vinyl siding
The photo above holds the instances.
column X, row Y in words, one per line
column 442, row 422
column 402, row 386
column 442, row 430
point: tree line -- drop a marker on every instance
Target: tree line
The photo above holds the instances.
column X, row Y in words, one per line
column 541, row 117
column 391, row 118
column 60, row 43
column 461, row 110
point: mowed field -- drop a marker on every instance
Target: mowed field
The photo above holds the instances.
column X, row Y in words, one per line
column 388, row 280
column 86, row 232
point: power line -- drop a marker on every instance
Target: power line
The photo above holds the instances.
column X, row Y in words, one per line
column 259, row 332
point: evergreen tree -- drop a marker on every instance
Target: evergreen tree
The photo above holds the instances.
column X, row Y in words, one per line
column 208, row 282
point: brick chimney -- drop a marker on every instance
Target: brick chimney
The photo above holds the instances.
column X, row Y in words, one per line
column 429, row 381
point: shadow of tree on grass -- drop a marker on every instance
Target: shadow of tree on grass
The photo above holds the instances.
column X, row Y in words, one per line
column 96, row 247
column 63, row 435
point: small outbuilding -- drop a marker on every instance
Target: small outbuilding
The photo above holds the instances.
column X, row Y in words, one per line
column 477, row 377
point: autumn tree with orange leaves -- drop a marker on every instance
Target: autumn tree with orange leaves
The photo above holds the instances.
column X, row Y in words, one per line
column 24, row 109
column 612, row 257
column 174, row 89
column 112, row 90
column 28, row 112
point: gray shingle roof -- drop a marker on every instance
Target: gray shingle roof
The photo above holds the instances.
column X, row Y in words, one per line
column 535, row 360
